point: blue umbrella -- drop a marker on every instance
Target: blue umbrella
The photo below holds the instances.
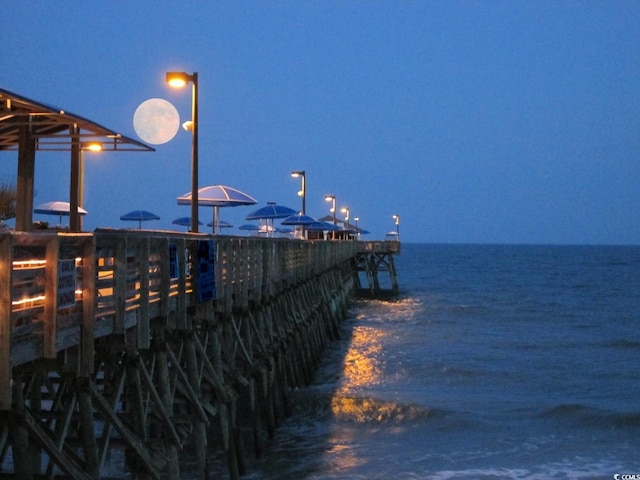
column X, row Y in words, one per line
column 184, row 221
column 249, row 226
column 322, row 226
column 270, row 211
column 299, row 219
column 139, row 216
column 221, row 224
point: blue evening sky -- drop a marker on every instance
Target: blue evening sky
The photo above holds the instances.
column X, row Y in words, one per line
column 475, row 121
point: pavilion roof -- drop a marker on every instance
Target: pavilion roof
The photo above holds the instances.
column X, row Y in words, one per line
column 54, row 128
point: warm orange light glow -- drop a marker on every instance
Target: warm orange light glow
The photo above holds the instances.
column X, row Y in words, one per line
column 177, row 83
column 25, row 264
column 361, row 362
column 93, row 146
column 178, row 79
column 24, row 301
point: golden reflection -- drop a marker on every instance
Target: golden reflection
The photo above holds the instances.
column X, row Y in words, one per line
column 361, row 363
column 362, row 410
column 373, row 410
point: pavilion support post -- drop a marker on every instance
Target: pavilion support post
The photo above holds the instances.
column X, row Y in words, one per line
column 26, row 174
column 75, row 186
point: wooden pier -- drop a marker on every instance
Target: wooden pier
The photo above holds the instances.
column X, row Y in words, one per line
column 158, row 353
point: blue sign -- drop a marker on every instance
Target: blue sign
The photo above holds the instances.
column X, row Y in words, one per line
column 206, row 270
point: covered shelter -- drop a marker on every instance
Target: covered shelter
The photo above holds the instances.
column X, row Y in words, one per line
column 28, row 126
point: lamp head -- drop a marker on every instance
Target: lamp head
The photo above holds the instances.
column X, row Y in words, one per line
column 178, row 79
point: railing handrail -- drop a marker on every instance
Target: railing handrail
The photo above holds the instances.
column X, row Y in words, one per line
column 379, row 246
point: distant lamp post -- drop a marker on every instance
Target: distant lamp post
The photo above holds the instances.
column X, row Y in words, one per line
column 179, row 80
column 332, row 199
column 356, row 220
column 346, row 211
column 397, row 219
column 302, row 193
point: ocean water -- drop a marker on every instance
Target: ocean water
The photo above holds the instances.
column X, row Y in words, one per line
column 496, row 362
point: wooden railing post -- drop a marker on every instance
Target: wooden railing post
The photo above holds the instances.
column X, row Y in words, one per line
column 6, row 269
column 50, row 333
column 88, row 306
column 120, row 284
column 143, row 329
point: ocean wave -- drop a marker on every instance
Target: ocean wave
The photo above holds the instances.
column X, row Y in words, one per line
column 587, row 415
column 592, row 471
column 624, row 344
column 376, row 411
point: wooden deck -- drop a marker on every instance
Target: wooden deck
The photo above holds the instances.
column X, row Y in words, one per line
column 159, row 345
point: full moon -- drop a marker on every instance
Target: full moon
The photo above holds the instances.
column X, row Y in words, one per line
column 156, row 121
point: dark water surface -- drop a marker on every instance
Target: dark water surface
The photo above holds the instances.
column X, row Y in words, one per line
column 497, row 362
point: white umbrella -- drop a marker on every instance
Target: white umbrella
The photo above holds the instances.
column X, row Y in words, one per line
column 57, row 207
column 218, row 196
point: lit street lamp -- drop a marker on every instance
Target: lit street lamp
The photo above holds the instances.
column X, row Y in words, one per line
column 346, row 211
column 178, row 80
column 397, row 219
column 332, row 199
column 302, row 193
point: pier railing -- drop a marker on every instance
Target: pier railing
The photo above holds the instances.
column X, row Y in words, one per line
column 62, row 290
column 379, row 246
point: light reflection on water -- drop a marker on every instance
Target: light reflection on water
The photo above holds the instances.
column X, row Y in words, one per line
column 361, row 363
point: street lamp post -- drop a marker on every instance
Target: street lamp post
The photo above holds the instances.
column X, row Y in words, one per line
column 332, row 199
column 302, row 193
column 178, row 80
column 397, row 219
column 346, row 211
